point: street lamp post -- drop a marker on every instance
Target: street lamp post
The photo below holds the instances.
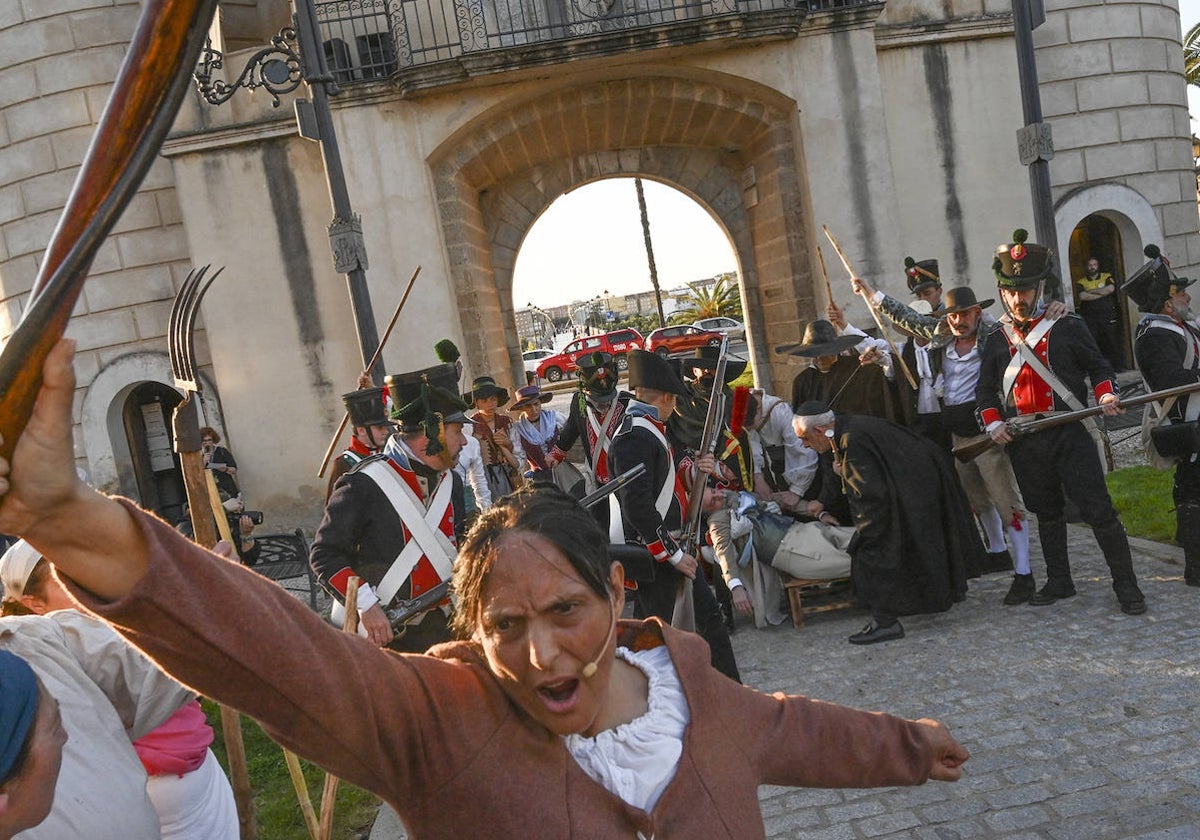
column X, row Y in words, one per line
column 549, row 335
column 294, row 56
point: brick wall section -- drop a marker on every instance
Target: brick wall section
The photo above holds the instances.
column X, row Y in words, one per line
column 495, row 181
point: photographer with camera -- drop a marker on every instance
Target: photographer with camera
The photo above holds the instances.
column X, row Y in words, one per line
column 220, row 460
column 241, row 525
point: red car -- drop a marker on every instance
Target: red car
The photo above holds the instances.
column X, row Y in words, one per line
column 617, row 342
column 666, row 341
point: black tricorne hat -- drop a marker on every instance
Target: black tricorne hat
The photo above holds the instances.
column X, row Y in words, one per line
column 597, row 372
column 820, row 339
column 962, row 298
column 707, row 357
column 1153, row 284
column 649, row 370
column 1021, row 264
column 921, row 274
column 422, row 400
column 366, row 407
column 483, row 387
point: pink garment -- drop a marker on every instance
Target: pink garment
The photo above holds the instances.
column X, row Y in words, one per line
column 179, row 745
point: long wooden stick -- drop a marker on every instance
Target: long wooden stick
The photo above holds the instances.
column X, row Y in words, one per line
column 374, row 359
column 825, row 274
column 306, row 808
column 329, row 795
column 878, row 321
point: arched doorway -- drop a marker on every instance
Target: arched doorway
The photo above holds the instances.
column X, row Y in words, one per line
column 1097, row 237
column 146, row 417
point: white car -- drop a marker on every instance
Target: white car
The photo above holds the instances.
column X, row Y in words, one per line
column 532, row 359
column 734, row 329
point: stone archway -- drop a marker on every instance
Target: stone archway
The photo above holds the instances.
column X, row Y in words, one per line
column 732, row 146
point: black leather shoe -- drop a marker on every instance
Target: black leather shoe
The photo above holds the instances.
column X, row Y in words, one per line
column 1136, row 607
column 1022, row 589
column 1050, row 593
column 873, row 633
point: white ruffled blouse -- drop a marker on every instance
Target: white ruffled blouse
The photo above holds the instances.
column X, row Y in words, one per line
column 637, row 760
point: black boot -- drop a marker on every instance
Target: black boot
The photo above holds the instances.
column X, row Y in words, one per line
column 1022, row 590
column 1187, row 534
column 1115, row 545
column 1053, row 536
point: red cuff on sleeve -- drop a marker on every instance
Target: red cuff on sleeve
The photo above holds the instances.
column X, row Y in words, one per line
column 341, row 580
column 1105, row 387
column 989, row 416
column 659, row 551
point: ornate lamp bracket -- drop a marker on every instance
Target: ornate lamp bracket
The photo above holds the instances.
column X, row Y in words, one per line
column 276, row 68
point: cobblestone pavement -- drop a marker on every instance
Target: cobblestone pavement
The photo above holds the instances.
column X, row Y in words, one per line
column 1082, row 723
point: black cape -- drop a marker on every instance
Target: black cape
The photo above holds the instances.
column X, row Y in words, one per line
column 916, row 535
column 866, row 390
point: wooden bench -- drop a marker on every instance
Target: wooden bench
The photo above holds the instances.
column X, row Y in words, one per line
column 284, row 559
column 808, row 597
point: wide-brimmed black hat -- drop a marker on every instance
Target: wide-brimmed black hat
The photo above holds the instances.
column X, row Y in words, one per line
column 962, row 298
column 649, row 370
column 820, row 339
column 921, row 274
column 424, row 399
column 529, row 395
column 708, row 357
column 366, row 407
column 1021, row 264
column 1154, row 283
column 485, row 386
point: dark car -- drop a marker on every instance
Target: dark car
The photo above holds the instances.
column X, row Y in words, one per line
column 617, row 342
column 666, row 341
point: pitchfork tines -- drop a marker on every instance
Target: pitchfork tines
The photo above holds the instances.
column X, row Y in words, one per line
column 180, row 344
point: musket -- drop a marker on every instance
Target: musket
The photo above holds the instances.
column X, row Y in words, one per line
column 612, row 486
column 713, row 421
column 152, row 81
column 1029, row 424
column 405, row 611
column 374, row 359
column 878, row 321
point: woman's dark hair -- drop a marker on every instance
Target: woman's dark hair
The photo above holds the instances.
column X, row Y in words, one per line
column 546, row 511
column 35, row 585
column 209, row 431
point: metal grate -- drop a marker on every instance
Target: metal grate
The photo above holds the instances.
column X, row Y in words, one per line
column 371, row 39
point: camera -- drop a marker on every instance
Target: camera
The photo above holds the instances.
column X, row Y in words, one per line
column 256, row 516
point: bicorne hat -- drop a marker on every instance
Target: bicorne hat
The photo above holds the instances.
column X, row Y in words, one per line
column 707, row 358
column 366, row 407
column 962, row 298
column 921, row 274
column 597, row 372
column 1154, row 283
column 820, row 339
column 423, row 400
column 649, row 370
column 1022, row 265
column 485, row 386
column 529, row 395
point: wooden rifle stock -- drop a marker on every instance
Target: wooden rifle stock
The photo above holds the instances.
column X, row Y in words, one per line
column 1037, row 422
column 141, row 108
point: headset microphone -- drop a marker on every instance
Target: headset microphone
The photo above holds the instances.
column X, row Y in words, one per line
column 589, row 670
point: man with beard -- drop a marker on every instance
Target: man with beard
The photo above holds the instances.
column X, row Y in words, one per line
column 1167, row 351
column 1034, row 364
column 955, row 338
column 915, row 534
column 394, row 519
column 1098, row 302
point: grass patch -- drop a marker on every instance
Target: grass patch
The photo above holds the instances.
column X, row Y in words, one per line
column 1142, row 496
column 275, row 804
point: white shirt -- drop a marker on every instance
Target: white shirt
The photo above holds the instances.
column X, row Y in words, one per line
column 637, row 760
column 868, row 343
column 799, row 462
column 470, row 468
column 961, row 374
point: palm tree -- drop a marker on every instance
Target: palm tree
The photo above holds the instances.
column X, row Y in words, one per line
column 722, row 298
column 1191, row 55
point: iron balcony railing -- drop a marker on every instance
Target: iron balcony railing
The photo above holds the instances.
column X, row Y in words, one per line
column 373, row 39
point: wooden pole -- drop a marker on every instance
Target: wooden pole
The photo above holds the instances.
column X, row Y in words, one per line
column 374, row 359
column 825, row 274
column 329, row 795
column 878, row 321
column 306, row 808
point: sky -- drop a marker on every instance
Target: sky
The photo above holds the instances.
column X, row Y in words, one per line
column 590, row 241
